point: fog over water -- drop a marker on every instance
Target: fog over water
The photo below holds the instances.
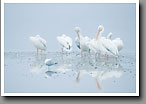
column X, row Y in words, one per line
column 26, row 72
column 51, row 20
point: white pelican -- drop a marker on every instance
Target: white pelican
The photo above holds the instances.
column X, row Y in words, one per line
column 118, row 42
column 96, row 45
column 81, row 42
column 101, row 45
column 38, row 42
column 109, row 46
column 65, row 42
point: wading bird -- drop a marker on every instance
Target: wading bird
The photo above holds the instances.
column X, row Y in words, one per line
column 38, row 42
column 65, row 42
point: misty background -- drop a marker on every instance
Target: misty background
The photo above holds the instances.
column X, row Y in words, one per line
column 49, row 20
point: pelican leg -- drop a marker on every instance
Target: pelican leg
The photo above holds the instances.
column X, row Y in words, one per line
column 62, row 50
column 116, row 59
column 87, row 53
column 37, row 51
column 65, row 53
column 62, row 53
column 41, row 52
column 99, row 55
column 105, row 58
column 95, row 57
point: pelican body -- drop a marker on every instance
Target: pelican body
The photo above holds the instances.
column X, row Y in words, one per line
column 82, row 42
column 38, row 42
column 65, row 42
column 118, row 42
column 101, row 45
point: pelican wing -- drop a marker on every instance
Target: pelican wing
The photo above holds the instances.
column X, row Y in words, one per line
column 69, row 40
column 119, row 43
column 43, row 42
column 109, row 46
column 62, row 41
column 77, row 42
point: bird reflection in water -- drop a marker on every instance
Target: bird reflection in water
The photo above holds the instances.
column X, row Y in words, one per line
column 38, row 65
column 49, row 73
column 80, row 65
column 58, row 69
column 101, row 73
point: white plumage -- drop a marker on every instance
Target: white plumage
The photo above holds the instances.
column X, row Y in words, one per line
column 81, row 42
column 38, row 42
column 118, row 42
column 101, row 45
column 65, row 42
column 110, row 47
column 96, row 45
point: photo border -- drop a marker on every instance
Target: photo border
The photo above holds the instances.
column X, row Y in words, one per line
column 69, row 94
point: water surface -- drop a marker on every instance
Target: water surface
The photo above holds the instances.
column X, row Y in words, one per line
column 26, row 73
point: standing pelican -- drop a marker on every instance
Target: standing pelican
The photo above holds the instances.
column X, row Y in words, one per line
column 38, row 42
column 81, row 42
column 65, row 42
column 96, row 45
column 101, row 45
column 110, row 47
column 118, row 42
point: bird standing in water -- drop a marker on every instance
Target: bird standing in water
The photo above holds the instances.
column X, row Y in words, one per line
column 65, row 42
column 38, row 42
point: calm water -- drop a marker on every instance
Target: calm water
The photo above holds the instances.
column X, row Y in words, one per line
column 25, row 72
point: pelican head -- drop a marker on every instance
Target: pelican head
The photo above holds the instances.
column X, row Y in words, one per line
column 100, row 28
column 63, row 35
column 37, row 35
column 109, row 35
column 77, row 29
